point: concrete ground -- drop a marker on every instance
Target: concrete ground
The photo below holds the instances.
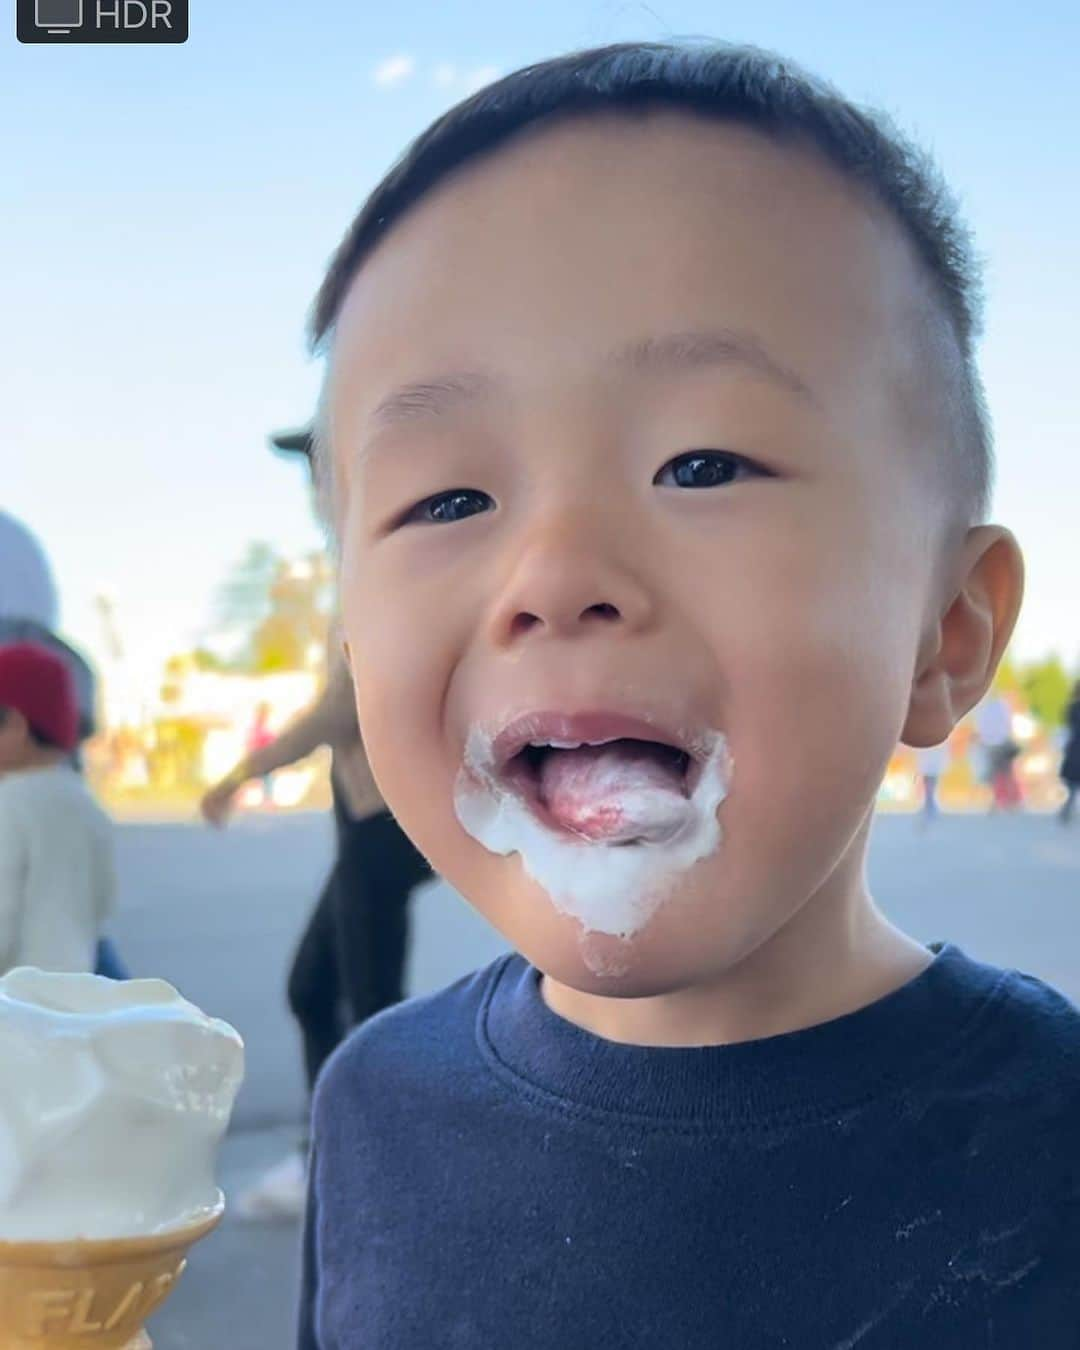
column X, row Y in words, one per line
column 219, row 914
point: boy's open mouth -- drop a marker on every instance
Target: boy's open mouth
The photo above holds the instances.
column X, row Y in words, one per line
column 585, row 783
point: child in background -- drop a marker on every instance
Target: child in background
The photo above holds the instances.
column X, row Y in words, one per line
column 933, row 760
column 993, row 726
column 57, row 877
column 656, row 455
column 30, row 612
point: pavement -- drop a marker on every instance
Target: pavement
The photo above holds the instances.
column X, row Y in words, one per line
column 218, row 914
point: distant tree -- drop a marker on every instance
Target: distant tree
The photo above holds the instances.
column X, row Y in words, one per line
column 1046, row 686
column 243, row 599
column 272, row 613
column 298, row 621
column 205, row 660
column 1007, row 678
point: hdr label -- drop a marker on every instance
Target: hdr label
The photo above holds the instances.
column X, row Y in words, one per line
column 65, row 21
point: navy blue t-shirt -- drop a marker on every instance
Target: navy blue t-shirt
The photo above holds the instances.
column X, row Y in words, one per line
column 489, row 1174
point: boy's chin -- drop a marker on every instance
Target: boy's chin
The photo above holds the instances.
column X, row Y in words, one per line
column 658, row 959
column 614, row 977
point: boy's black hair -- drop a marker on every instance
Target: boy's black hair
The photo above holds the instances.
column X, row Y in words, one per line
column 730, row 83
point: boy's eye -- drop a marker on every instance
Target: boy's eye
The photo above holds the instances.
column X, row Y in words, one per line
column 695, row 469
column 447, row 507
column 707, row 468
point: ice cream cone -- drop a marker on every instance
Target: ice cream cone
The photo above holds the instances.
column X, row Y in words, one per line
column 94, row 1293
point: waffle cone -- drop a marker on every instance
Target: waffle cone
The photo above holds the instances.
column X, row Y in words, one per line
column 93, row 1293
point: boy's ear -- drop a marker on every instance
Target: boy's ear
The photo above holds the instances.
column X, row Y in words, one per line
column 961, row 650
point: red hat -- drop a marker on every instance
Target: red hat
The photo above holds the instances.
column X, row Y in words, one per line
column 37, row 683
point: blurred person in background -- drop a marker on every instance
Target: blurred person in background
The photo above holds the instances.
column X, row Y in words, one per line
column 259, row 737
column 1070, row 764
column 993, row 726
column 29, row 612
column 350, row 963
column 57, row 872
column 932, row 762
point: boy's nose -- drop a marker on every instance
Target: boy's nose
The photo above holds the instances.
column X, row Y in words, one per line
column 564, row 588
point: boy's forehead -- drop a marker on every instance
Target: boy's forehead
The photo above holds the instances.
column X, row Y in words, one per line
column 546, row 255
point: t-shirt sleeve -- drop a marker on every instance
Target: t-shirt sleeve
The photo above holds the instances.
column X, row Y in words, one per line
column 307, row 1338
column 12, row 882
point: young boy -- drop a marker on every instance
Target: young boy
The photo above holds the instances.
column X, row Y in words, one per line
column 56, row 853
column 658, row 464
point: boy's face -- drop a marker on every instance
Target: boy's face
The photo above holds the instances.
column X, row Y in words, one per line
column 783, row 606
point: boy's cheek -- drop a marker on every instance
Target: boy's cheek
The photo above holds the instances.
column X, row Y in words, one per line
column 816, row 692
column 400, row 676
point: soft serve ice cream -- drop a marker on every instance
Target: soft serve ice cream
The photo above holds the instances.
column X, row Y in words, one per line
column 605, row 826
column 114, row 1097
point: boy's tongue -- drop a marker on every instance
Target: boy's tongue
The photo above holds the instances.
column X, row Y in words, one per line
column 615, row 793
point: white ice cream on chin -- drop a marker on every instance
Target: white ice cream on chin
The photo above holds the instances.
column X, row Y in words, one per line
column 609, row 887
column 114, row 1097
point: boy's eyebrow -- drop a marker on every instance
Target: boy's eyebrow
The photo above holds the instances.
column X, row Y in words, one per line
column 665, row 354
column 699, row 348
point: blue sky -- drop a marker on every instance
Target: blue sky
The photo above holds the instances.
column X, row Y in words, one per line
column 166, row 214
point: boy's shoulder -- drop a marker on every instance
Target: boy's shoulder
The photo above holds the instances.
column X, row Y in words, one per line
column 31, row 781
column 20, row 791
column 412, row 1043
column 1020, row 1056
column 1037, row 1023
column 34, row 805
column 40, row 789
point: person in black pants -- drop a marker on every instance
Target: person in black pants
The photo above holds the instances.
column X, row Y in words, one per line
column 351, row 960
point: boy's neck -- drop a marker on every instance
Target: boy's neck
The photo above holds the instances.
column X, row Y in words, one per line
column 40, row 757
column 839, row 953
